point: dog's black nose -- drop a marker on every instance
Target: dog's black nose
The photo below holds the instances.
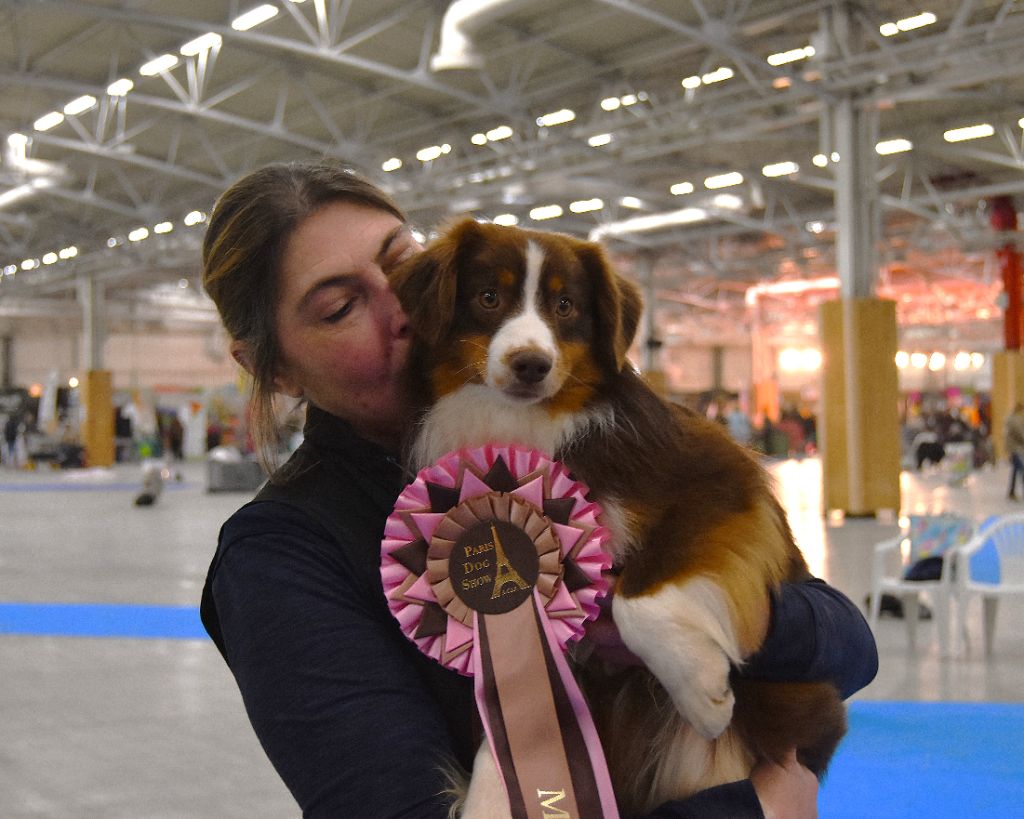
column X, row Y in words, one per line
column 530, row 367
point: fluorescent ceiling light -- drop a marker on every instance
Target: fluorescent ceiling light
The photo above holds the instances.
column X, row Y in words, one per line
column 163, row 227
column 254, row 17
column 478, row 139
column 681, row 188
column 138, row 234
column 499, row 133
column 610, row 103
column 727, row 201
column 639, row 224
column 907, row 24
column 68, row 252
column 506, row 219
column 559, row 117
column 718, row 75
column 119, row 88
column 586, row 205
column 30, row 264
column 390, row 165
column 165, row 62
column 79, row 105
column 194, row 217
column 204, row 42
column 50, row 258
column 628, row 99
column 14, row 194
column 433, row 152
column 631, row 202
column 723, row 180
column 791, row 56
column 1020, row 122
column 780, row 169
column 893, row 146
column 48, row 121
column 969, row 132
column 598, row 140
column 543, row 212
column 690, row 83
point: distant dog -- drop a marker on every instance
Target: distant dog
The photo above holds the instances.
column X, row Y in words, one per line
column 521, row 337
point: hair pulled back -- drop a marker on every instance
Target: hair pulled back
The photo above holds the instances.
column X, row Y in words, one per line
column 242, row 251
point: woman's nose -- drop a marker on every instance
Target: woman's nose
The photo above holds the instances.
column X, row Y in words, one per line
column 394, row 317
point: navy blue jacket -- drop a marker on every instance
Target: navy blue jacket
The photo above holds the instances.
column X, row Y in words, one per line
column 357, row 722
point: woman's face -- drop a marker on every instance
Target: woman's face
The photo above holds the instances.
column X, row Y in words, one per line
column 343, row 336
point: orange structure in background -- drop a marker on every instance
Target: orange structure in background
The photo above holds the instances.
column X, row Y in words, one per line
column 1004, row 218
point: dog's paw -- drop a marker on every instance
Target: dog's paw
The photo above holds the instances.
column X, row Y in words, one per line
column 486, row 797
column 703, row 696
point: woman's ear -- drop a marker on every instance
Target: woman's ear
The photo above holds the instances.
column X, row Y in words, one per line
column 240, row 352
column 282, row 383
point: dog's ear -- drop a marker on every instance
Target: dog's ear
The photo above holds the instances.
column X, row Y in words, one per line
column 617, row 301
column 426, row 284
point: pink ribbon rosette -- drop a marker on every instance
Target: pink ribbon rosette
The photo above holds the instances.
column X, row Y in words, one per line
column 492, row 562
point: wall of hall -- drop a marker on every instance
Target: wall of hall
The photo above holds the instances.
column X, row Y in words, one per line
column 161, row 360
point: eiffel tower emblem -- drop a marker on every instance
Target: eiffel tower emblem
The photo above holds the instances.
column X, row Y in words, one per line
column 505, row 572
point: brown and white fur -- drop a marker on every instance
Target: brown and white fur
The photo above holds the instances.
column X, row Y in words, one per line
column 521, row 337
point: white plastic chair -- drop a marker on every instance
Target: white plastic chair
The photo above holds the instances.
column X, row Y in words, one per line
column 991, row 566
column 925, row 536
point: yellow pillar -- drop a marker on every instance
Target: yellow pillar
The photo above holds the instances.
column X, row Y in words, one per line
column 1007, row 390
column 858, row 425
column 98, row 423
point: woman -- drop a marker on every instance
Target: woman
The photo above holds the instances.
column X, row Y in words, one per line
column 356, row 721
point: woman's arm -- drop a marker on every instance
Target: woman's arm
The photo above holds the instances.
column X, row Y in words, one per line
column 332, row 689
column 817, row 634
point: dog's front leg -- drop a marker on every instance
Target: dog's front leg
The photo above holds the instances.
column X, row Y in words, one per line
column 684, row 634
column 486, row 797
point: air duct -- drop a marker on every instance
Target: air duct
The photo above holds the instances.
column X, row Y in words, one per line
column 463, row 18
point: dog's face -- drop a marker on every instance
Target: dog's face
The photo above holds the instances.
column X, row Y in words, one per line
column 538, row 317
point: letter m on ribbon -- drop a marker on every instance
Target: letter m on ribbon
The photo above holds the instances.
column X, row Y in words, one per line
column 547, row 802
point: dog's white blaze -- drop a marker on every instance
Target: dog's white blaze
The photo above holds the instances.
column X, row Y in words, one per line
column 685, row 636
column 525, row 330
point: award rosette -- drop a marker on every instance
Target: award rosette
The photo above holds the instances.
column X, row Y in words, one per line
column 492, row 562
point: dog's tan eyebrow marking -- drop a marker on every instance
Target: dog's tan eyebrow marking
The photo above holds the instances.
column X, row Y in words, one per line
column 507, row 278
column 555, row 284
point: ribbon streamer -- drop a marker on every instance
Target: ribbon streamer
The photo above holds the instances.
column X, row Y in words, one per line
column 491, row 563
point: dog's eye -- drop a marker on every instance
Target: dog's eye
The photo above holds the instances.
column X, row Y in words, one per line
column 489, row 299
column 564, row 307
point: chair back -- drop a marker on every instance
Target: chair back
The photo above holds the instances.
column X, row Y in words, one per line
column 934, row 535
column 1004, row 536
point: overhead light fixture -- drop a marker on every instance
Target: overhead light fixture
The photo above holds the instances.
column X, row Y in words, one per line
column 48, row 121
column 506, row 219
column 727, row 201
column 780, row 169
column 610, row 103
column 969, row 132
column 30, row 264
column 723, row 180
column 559, row 117
column 629, row 99
column 389, row 165
column 479, row 139
column 12, row 195
column 1020, row 122
column 599, row 140
column 631, row 202
column 202, row 43
column 681, row 188
column 791, row 56
column 539, row 214
column 718, row 75
column 163, row 227
column 639, row 224
column 254, row 17
column 195, row 217
column 689, row 83
column 586, row 205
column 820, row 160
column 433, row 152
column 119, row 88
column 79, row 105
column 68, row 252
column 499, row 133
column 907, row 24
column 138, row 234
column 893, row 146
column 158, row 65
column 50, row 258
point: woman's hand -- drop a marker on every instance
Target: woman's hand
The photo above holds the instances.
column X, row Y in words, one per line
column 603, row 636
column 786, row 791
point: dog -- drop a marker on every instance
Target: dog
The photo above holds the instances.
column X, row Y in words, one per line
column 521, row 336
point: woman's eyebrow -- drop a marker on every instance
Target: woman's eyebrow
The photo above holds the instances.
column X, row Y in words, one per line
column 344, row 280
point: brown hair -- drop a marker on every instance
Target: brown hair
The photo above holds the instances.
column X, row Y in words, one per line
column 249, row 227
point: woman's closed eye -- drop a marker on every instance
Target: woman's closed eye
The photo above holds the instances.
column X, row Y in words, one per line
column 341, row 312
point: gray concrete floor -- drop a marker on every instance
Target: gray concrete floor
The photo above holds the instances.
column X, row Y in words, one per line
column 100, row 727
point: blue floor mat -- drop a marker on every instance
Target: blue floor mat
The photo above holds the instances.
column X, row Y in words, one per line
column 101, row 620
column 903, row 760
